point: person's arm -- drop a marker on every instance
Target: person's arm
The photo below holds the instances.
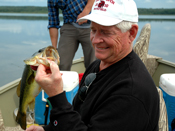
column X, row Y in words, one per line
column 53, row 36
column 53, row 18
column 121, row 112
column 117, row 112
column 86, row 11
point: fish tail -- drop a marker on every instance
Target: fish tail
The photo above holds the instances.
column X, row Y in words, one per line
column 21, row 119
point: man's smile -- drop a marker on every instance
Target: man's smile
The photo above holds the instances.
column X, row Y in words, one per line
column 102, row 48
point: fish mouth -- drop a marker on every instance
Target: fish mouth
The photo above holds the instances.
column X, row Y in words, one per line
column 34, row 68
column 43, row 56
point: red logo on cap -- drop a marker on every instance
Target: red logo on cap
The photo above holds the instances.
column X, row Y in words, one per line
column 101, row 4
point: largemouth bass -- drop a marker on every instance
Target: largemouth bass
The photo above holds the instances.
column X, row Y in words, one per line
column 28, row 89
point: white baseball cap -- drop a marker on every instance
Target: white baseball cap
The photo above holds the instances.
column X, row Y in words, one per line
column 112, row 12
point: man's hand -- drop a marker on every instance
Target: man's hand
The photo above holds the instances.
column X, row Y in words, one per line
column 50, row 79
column 84, row 13
column 35, row 128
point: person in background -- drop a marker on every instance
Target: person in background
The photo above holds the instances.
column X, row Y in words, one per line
column 116, row 92
column 71, row 33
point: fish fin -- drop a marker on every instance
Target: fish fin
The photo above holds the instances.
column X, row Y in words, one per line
column 21, row 119
column 18, row 89
column 32, row 105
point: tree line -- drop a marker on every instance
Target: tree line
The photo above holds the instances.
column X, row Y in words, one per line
column 38, row 9
column 23, row 9
column 150, row 11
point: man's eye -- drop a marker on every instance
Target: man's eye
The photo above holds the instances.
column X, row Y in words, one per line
column 93, row 31
column 106, row 32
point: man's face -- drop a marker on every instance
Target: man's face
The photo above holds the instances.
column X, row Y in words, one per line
column 110, row 44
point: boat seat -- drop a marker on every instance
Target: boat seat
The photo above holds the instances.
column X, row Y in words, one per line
column 142, row 43
column 163, row 118
column 141, row 49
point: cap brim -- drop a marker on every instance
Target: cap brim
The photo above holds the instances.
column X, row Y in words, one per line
column 100, row 19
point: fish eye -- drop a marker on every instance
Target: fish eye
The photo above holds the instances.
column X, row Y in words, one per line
column 41, row 50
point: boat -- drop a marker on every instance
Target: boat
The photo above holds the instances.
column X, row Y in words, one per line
column 156, row 66
column 9, row 100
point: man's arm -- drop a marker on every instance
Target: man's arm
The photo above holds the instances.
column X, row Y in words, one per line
column 53, row 18
column 86, row 11
column 53, row 36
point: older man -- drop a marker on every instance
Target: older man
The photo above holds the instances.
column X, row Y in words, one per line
column 116, row 92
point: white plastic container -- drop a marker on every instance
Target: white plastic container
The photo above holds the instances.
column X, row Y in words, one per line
column 167, row 84
column 70, row 85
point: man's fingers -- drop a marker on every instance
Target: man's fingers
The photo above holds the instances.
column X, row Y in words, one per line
column 80, row 23
column 42, row 71
column 54, row 68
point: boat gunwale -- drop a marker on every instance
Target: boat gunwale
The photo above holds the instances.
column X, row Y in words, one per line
column 9, row 86
column 162, row 61
column 14, row 83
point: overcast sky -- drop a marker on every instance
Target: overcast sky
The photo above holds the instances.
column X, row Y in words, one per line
column 140, row 3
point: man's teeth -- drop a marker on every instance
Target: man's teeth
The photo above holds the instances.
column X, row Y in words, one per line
column 101, row 48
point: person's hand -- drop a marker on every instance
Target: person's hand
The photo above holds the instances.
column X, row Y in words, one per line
column 35, row 128
column 81, row 15
column 50, row 79
column 86, row 11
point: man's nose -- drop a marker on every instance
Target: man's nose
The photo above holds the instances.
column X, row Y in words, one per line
column 97, row 38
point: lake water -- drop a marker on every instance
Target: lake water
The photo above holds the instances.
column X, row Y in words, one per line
column 23, row 34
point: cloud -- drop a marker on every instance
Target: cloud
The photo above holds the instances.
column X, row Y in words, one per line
column 23, row 3
column 170, row 1
column 155, row 3
column 172, row 35
column 35, row 43
column 147, row 1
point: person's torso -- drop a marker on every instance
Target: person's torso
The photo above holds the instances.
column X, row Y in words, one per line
column 71, row 9
column 122, row 78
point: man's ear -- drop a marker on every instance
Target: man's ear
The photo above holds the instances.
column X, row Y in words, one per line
column 133, row 32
